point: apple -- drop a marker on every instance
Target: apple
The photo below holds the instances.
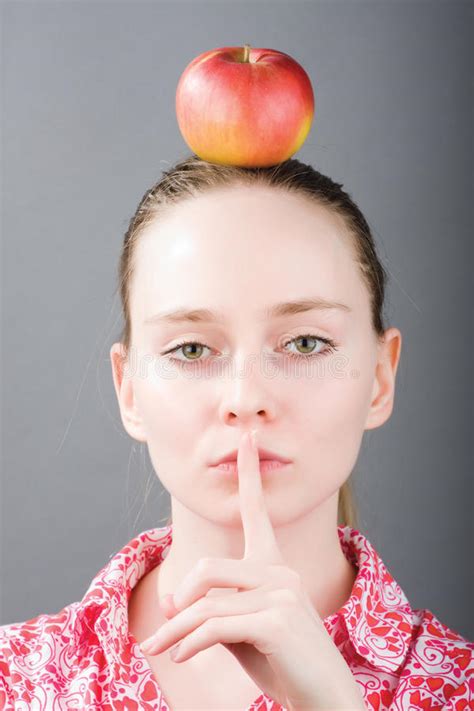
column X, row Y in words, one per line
column 244, row 106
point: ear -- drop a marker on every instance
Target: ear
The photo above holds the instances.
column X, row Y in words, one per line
column 383, row 392
column 123, row 382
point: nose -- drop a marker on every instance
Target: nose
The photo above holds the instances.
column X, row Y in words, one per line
column 247, row 399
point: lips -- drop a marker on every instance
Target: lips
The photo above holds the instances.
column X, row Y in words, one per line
column 263, row 454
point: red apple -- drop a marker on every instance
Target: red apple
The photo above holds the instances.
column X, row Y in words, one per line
column 244, row 106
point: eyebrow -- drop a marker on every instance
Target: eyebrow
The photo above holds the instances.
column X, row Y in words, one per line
column 283, row 308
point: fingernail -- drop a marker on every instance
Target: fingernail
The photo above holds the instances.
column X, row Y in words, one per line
column 165, row 598
column 146, row 645
column 253, row 439
column 174, row 651
column 168, row 606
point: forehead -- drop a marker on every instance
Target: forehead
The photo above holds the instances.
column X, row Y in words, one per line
column 258, row 207
column 232, row 242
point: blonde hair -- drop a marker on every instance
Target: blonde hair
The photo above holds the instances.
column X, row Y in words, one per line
column 194, row 176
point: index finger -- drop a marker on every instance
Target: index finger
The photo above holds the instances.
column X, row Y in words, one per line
column 260, row 540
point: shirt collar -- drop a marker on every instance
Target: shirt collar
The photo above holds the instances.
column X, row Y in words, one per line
column 377, row 616
column 102, row 615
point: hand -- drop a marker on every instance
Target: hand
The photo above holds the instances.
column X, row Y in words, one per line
column 270, row 624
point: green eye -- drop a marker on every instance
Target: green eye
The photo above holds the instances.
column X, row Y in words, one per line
column 191, row 343
column 304, row 338
column 330, row 348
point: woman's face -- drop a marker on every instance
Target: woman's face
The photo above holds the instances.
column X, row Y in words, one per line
column 240, row 251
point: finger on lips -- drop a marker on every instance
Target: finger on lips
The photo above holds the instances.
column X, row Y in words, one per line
column 247, row 499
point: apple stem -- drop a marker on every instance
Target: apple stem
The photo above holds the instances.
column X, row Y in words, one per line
column 246, row 52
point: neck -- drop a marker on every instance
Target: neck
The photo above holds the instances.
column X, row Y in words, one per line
column 309, row 545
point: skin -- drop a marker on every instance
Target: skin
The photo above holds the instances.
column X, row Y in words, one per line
column 239, row 250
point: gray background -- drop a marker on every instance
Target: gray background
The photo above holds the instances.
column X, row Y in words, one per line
column 88, row 124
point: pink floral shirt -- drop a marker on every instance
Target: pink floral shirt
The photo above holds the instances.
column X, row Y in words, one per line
column 84, row 657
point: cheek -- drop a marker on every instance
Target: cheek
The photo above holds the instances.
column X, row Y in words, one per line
column 332, row 411
column 172, row 419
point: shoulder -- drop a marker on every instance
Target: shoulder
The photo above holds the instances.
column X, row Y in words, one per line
column 32, row 658
column 439, row 667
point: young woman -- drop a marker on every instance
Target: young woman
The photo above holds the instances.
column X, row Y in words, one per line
column 253, row 301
